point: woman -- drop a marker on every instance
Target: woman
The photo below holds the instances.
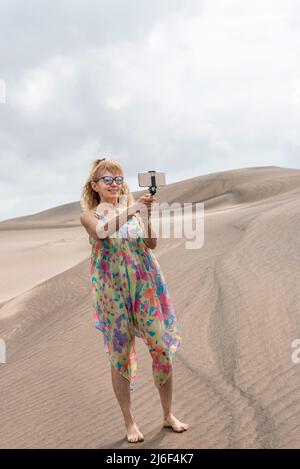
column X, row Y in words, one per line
column 130, row 296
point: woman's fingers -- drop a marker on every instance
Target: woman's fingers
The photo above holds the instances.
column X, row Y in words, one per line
column 150, row 197
column 147, row 200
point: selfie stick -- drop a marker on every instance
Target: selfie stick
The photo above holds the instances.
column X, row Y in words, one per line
column 153, row 187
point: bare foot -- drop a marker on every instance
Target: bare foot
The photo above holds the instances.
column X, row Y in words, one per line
column 177, row 426
column 133, row 433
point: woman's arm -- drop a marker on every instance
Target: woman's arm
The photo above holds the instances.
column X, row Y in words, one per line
column 149, row 237
column 99, row 229
column 89, row 221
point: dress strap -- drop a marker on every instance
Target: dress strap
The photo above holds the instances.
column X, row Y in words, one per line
column 91, row 211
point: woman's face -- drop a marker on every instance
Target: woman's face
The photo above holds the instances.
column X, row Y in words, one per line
column 108, row 193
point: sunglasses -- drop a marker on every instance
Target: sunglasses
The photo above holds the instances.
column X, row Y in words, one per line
column 108, row 180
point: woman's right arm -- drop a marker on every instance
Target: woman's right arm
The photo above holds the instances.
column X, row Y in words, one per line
column 89, row 221
column 101, row 230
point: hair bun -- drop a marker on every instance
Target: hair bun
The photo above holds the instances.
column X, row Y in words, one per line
column 95, row 163
column 99, row 161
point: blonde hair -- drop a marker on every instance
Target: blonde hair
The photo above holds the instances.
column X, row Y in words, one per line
column 90, row 199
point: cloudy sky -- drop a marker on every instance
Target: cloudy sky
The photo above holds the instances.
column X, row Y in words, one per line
column 188, row 87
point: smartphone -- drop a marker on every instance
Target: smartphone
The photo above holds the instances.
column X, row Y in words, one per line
column 152, row 179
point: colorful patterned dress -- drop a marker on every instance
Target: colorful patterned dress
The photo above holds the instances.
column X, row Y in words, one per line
column 131, row 299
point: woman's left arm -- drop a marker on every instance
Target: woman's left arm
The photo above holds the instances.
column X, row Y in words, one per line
column 150, row 237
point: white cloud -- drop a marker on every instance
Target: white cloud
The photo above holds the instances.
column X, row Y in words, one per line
column 117, row 102
column 40, row 85
column 200, row 86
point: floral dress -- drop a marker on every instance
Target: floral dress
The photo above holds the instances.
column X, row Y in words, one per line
column 131, row 299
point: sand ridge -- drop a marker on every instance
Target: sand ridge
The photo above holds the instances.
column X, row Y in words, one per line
column 237, row 301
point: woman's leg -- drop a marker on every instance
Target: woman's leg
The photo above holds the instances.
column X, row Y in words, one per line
column 122, row 392
column 121, row 389
column 165, row 392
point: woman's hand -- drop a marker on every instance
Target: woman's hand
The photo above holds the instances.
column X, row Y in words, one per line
column 147, row 200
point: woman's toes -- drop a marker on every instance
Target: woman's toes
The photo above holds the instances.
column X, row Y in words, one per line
column 133, row 434
column 175, row 424
column 179, row 428
column 133, row 438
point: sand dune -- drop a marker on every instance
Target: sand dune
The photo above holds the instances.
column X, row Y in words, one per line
column 237, row 300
